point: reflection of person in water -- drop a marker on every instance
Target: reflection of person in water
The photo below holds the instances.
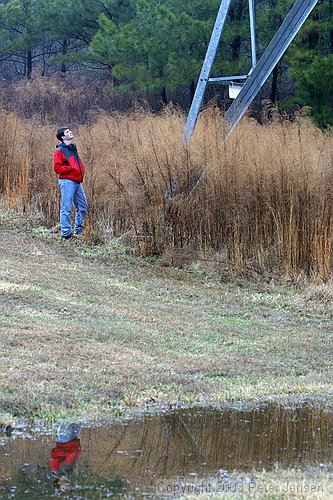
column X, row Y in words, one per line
column 65, row 455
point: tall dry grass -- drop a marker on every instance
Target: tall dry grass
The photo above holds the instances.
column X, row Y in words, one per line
column 73, row 99
column 262, row 202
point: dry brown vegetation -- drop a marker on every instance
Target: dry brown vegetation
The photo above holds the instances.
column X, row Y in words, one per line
column 261, row 203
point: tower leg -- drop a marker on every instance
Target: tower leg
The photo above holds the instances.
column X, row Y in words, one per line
column 206, row 69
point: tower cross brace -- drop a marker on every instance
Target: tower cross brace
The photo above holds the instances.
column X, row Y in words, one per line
column 260, row 70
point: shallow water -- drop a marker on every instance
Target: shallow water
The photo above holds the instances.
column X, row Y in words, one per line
column 128, row 458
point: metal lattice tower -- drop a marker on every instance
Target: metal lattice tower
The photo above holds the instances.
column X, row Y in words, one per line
column 260, row 70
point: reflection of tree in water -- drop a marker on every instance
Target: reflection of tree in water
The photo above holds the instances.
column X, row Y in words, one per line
column 155, row 447
column 178, row 447
column 174, row 445
column 245, row 439
column 177, row 444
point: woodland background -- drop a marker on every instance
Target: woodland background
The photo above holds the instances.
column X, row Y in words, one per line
column 151, row 52
column 122, row 75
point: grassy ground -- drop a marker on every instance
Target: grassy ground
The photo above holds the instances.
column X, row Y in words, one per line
column 92, row 332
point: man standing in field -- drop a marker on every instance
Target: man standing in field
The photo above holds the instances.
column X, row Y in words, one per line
column 70, row 170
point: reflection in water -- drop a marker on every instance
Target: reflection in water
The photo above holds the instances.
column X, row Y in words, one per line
column 200, row 441
column 65, row 455
column 131, row 455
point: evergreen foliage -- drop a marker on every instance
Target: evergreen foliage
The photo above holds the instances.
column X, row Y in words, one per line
column 160, row 45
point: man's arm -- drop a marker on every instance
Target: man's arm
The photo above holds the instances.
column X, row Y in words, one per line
column 59, row 163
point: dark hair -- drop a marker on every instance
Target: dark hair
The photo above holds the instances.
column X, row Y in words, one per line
column 60, row 132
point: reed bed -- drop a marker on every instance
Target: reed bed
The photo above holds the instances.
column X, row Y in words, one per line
column 260, row 203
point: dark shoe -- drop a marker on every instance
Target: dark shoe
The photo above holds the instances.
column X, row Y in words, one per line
column 67, row 237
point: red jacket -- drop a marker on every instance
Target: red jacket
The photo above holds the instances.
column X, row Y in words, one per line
column 65, row 455
column 67, row 163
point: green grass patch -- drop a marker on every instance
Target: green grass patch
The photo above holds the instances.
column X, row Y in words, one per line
column 93, row 332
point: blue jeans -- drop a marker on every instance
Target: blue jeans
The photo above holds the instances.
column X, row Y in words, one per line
column 72, row 192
